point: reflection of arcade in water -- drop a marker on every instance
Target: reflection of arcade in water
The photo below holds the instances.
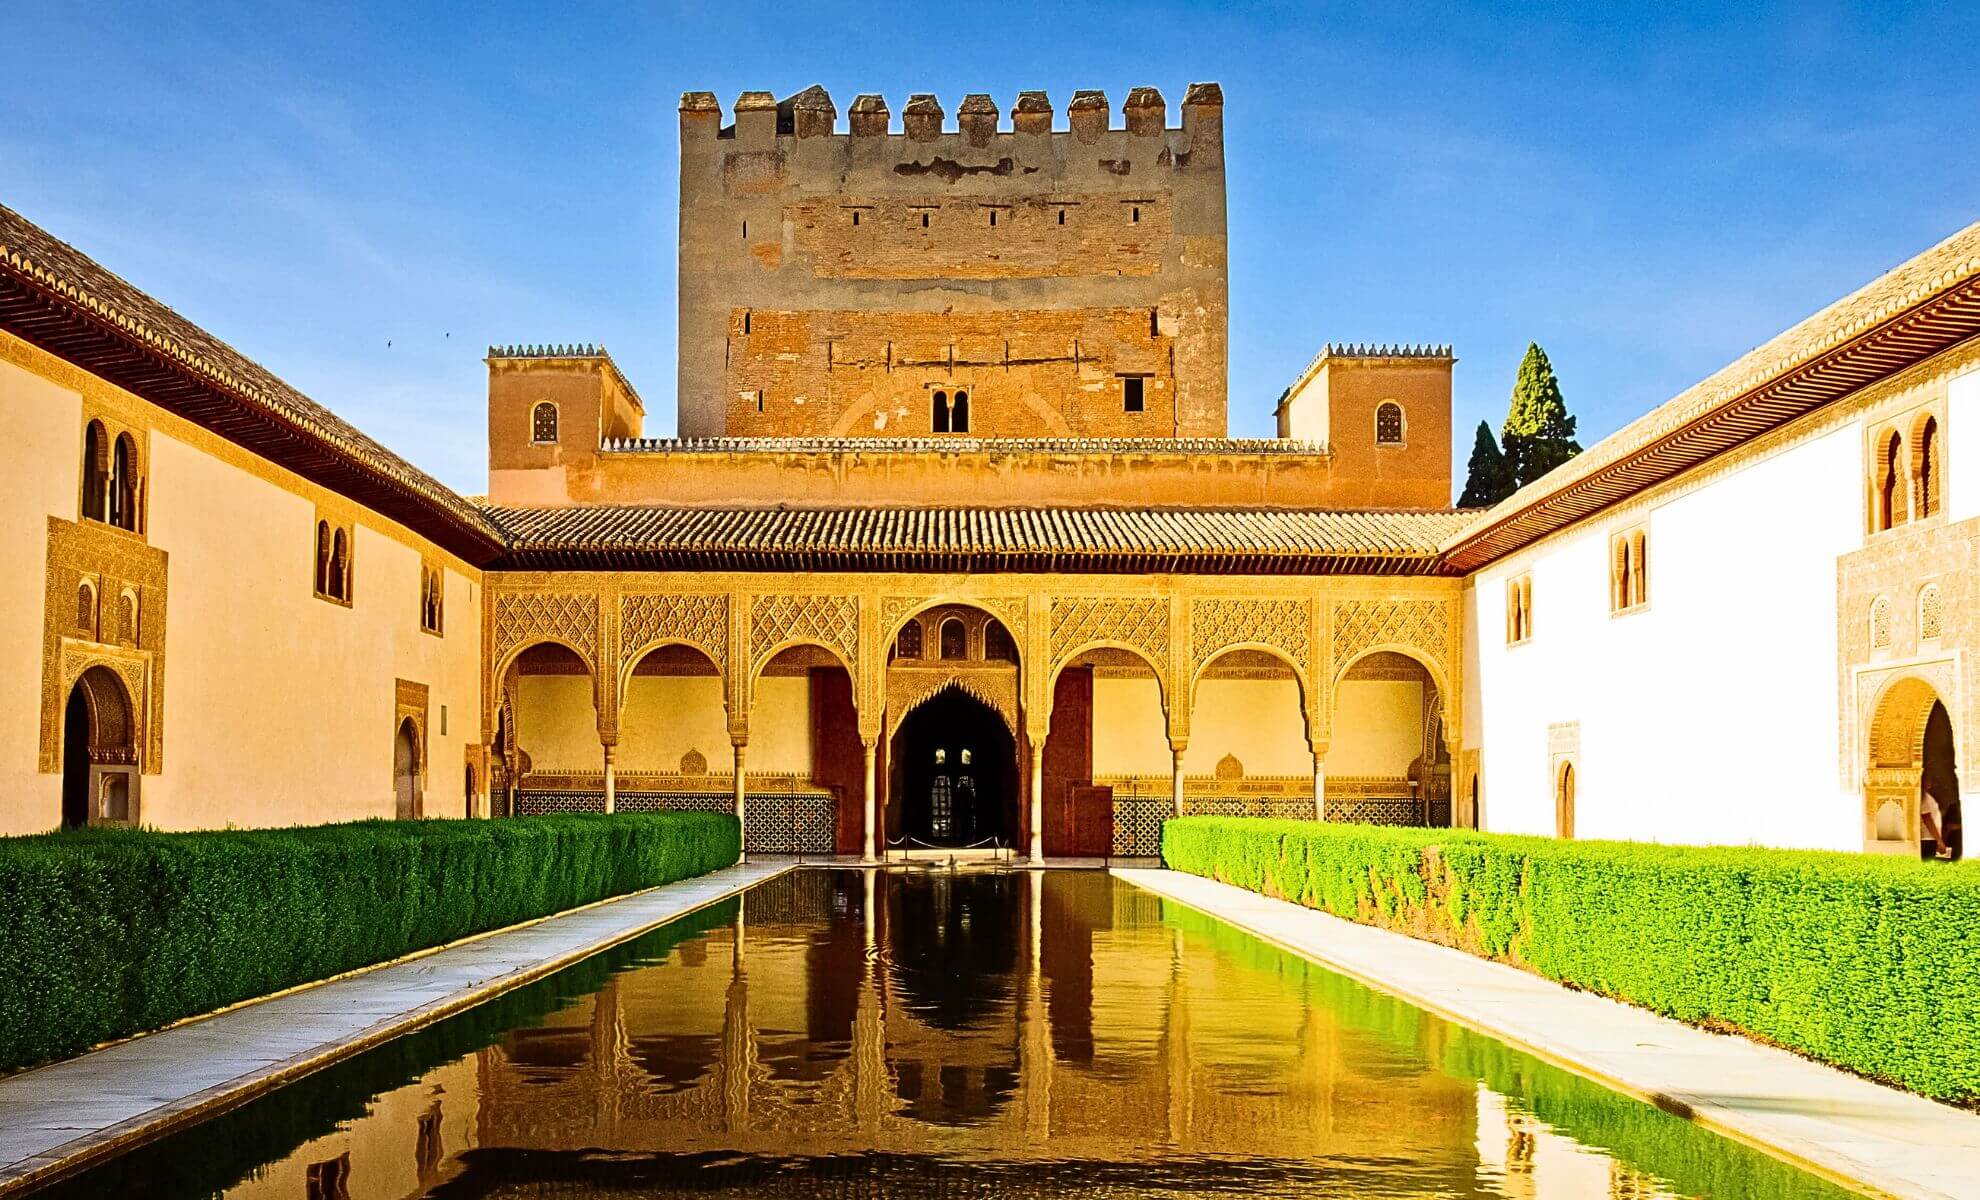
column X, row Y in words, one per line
column 1037, row 1034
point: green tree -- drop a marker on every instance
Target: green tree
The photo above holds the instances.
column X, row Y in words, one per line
column 1490, row 478
column 1538, row 434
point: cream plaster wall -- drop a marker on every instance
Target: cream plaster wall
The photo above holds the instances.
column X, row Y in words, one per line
column 1130, row 734
column 1709, row 716
column 662, row 717
column 42, row 476
column 280, row 706
column 1378, row 727
column 557, row 726
column 1962, row 442
column 1258, row 720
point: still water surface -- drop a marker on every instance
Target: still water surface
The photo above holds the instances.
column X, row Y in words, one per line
column 840, row 1033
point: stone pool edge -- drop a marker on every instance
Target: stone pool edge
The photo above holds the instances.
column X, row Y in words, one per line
column 1877, row 1139
column 134, row 1064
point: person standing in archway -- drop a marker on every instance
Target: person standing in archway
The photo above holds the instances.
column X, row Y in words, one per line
column 1930, row 818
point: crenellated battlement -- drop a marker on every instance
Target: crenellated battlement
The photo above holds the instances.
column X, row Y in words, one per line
column 811, row 113
column 1383, row 350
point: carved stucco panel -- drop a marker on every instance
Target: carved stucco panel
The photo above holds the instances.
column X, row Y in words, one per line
column 1284, row 625
column 1138, row 622
column 568, row 617
column 830, row 621
column 700, row 620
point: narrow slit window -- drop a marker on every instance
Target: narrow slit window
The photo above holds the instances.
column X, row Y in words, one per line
column 924, row 220
column 745, row 231
column 746, row 322
column 1062, row 216
column 855, row 216
column 1134, row 397
column 1134, row 214
column 993, row 218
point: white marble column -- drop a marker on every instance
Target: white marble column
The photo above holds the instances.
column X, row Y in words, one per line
column 1319, row 786
column 742, row 783
column 611, row 780
column 1176, row 784
column 1038, row 801
column 872, row 807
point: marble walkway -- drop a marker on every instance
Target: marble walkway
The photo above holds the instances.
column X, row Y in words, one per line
column 1848, row 1129
column 57, row 1118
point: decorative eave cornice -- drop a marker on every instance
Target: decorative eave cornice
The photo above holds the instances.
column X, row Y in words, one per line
column 1111, row 446
column 1920, row 309
column 49, row 297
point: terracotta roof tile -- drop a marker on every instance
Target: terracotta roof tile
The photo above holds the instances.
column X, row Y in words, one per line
column 1260, row 541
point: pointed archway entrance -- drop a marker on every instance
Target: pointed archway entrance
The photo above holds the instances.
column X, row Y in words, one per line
column 954, row 780
column 99, row 752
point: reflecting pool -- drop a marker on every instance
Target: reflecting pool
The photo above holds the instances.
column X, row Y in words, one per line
column 930, row 1033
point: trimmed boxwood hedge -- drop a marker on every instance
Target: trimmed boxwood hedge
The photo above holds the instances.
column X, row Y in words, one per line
column 113, row 932
column 1869, row 963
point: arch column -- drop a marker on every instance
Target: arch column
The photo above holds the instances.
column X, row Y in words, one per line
column 611, row 778
column 1320, row 781
column 1035, row 739
column 1177, row 746
column 740, row 743
column 868, row 746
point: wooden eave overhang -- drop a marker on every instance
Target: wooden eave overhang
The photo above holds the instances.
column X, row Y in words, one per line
column 1923, row 308
column 151, row 355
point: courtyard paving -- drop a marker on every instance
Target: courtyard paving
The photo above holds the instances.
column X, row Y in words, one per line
column 1835, row 1124
column 61, row 1116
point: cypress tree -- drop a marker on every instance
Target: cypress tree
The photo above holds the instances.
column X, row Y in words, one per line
column 1538, row 434
column 1489, row 479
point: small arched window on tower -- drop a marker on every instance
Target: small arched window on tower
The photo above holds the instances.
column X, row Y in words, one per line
column 959, row 414
column 908, row 643
column 954, row 641
column 1889, row 498
column 543, row 424
column 1629, row 582
column 938, row 413
column 1388, row 424
column 96, row 472
column 1925, row 473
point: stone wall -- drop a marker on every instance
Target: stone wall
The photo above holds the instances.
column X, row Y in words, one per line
column 840, row 278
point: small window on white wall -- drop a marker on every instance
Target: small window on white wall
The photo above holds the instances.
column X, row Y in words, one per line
column 1519, row 609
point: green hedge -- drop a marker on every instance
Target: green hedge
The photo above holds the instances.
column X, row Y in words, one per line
column 1869, row 963
column 113, row 932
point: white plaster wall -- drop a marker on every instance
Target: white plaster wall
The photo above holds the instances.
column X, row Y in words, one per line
column 1710, row 716
column 1962, row 442
column 279, row 707
column 41, row 476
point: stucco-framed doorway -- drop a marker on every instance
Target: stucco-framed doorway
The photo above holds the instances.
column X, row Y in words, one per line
column 1911, row 746
column 100, row 774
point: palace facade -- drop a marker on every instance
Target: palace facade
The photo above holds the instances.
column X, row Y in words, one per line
column 954, row 549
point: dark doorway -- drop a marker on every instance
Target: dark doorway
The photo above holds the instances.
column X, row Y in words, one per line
column 405, row 772
column 955, row 766
column 1941, row 777
column 75, row 760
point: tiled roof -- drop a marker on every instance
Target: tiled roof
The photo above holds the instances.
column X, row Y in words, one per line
column 1212, row 541
column 1918, row 309
column 962, row 445
column 57, row 297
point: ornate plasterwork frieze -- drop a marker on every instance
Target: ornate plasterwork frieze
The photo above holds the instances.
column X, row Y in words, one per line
column 1283, row 625
column 104, row 605
column 829, row 621
column 700, row 620
column 524, row 618
column 1010, row 610
column 1426, row 626
column 1140, row 623
column 908, row 687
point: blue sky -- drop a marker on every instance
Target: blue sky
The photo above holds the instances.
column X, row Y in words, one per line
column 1647, row 194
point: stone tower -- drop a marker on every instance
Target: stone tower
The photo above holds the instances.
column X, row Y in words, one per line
column 983, row 280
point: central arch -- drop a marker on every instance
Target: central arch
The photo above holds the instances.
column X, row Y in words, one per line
column 954, row 778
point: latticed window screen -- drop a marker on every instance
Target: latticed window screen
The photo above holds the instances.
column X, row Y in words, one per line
column 1389, row 425
column 1931, row 612
column 1880, row 623
column 543, row 423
